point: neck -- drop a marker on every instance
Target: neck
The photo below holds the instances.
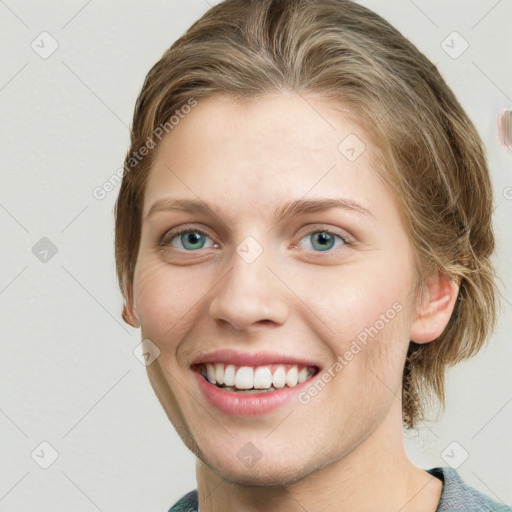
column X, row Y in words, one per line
column 375, row 475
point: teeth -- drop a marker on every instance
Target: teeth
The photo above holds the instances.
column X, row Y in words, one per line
column 219, row 373
column 249, row 390
column 210, row 372
column 250, row 378
column 244, row 378
column 262, row 377
column 303, row 375
column 292, row 376
column 229, row 375
column 279, row 378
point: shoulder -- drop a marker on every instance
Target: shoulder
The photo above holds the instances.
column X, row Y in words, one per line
column 459, row 496
column 187, row 503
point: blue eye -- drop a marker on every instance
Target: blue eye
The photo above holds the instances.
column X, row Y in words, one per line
column 323, row 240
column 190, row 240
column 194, row 239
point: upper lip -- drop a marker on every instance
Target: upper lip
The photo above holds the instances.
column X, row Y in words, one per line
column 237, row 358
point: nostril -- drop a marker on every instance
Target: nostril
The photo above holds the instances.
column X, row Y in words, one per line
column 268, row 323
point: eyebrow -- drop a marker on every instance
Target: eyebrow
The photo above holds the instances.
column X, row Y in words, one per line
column 302, row 206
column 288, row 209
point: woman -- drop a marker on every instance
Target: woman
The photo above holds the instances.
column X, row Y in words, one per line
column 303, row 234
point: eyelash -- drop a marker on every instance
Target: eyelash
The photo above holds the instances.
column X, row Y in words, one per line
column 170, row 235
column 167, row 238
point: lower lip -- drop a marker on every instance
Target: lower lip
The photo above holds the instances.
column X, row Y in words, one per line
column 247, row 404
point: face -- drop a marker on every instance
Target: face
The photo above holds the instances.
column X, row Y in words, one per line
column 301, row 260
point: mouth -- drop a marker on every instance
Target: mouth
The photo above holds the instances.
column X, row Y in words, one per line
column 255, row 379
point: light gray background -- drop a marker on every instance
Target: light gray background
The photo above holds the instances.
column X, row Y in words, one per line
column 69, row 375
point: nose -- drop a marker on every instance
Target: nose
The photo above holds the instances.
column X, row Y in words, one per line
column 249, row 295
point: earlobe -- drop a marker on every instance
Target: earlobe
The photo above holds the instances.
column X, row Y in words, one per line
column 438, row 297
column 130, row 316
column 129, row 313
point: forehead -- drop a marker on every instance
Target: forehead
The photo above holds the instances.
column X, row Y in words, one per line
column 264, row 151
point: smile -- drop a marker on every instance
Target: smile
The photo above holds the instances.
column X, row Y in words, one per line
column 253, row 379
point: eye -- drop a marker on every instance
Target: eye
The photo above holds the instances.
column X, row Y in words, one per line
column 322, row 241
column 187, row 239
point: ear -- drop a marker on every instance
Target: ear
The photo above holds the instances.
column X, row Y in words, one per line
column 129, row 314
column 438, row 296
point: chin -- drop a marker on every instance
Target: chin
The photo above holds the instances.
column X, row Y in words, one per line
column 264, row 473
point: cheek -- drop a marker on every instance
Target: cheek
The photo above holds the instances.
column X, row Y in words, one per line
column 165, row 298
column 361, row 313
column 349, row 299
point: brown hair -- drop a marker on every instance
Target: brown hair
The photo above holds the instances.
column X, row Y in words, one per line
column 432, row 153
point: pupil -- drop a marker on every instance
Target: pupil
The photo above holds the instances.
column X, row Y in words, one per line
column 192, row 238
column 325, row 240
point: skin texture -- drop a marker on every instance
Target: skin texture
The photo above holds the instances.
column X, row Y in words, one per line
column 344, row 449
